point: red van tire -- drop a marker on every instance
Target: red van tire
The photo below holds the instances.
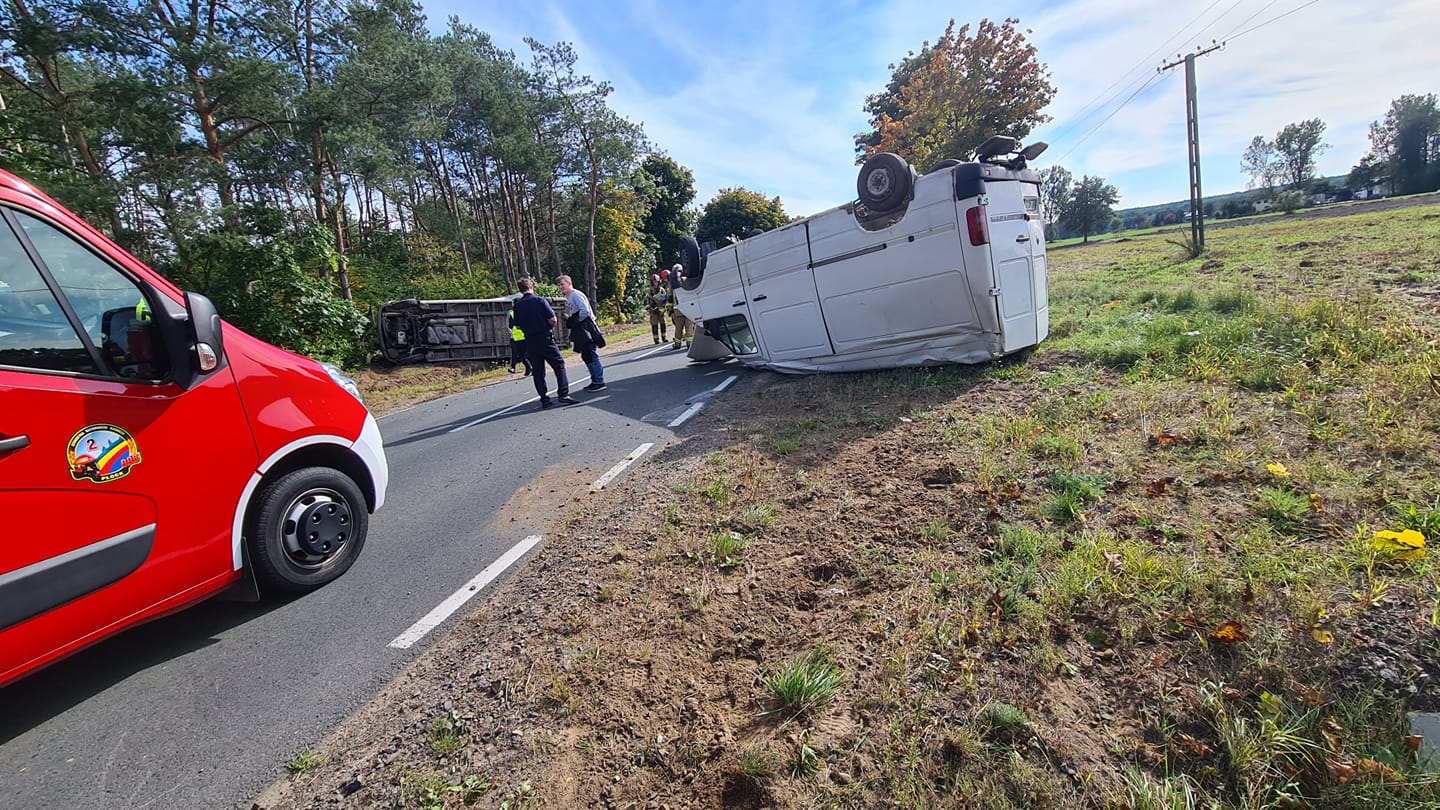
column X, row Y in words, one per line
column 333, row 507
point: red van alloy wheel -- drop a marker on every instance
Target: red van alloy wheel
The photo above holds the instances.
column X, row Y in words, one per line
column 309, row 525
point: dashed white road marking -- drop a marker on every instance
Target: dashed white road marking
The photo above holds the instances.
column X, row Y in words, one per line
column 619, row 468
column 454, row 601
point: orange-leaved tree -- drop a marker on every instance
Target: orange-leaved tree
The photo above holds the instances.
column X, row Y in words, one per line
column 947, row 99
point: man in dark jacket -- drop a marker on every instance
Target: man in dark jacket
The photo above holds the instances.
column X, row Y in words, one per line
column 517, row 344
column 535, row 317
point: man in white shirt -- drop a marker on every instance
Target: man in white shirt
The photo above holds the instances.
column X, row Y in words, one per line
column 582, row 333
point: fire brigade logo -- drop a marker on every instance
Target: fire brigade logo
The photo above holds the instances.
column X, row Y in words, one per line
column 102, row 453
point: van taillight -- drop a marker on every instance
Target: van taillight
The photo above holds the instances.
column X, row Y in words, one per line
column 978, row 226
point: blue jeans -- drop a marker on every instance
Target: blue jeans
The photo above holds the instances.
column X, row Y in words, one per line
column 592, row 362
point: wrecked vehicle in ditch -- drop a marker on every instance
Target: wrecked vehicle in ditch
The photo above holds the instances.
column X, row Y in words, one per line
column 473, row 330
column 944, row 267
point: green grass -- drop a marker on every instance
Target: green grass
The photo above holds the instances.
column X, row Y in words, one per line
column 1107, row 506
column 804, row 684
column 726, row 548
column 303, row 762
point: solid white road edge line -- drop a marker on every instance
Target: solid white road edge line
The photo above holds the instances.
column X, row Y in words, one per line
column 619, row 468
column 694, row 409
column 504, row 411
column 454, row 601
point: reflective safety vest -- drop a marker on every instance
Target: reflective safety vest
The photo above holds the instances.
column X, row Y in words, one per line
column 515, row 333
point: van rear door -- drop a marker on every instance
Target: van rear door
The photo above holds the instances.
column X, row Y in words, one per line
column 1017, row 245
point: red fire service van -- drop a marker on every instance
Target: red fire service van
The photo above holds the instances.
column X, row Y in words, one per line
column 152, row 455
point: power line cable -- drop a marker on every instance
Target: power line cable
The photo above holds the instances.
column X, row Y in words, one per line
column 1271, row 20
column 1246, row 21
column 1086, row 111
column 1097, row 127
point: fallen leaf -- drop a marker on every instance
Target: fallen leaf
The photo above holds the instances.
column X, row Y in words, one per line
column 1229, row 633
column 1314, row 698
column 1341, row 772
column 1317, row 503
column 1379, row 770
column 1192, row 746
column 1334, row 736
column 1165, row 438
column 1157, row 488
column 1278, row 470
column 1321, row 635
column 1403, row 545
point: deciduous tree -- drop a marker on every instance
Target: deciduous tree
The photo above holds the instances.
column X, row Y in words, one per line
column 734, row 212
column 947, row 99
column 1407, row 144
column 1261, row 163
column 1091, row 206
column 1056, row 184
column 668, row 188
column 1296, row 147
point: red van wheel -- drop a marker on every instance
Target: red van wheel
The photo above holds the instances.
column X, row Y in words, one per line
column 309, row 527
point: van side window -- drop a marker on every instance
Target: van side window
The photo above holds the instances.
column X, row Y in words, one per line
column 34, row 332
column 734, row 332
column 110, row 306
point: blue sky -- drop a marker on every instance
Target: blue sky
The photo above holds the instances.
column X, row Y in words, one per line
column 768, row 95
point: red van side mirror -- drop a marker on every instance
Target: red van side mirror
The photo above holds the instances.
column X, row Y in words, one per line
column 193, row 340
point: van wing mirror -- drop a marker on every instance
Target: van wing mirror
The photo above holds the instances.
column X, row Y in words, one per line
column 206, row 329
column 195, row 341
column 1033, row 150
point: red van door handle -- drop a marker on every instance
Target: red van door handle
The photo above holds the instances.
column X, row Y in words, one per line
column 16, row 443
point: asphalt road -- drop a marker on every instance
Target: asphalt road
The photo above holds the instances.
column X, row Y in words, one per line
column 204, row 709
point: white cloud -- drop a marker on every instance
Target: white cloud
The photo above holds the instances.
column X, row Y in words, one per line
column 768, row 96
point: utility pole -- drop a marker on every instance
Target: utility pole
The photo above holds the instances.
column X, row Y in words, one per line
column 1192, row 132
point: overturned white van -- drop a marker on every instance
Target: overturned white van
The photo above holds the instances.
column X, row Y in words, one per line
column 944, row 267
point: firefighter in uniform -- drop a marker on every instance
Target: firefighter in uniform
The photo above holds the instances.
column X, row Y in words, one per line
column 684, row 329
column 658, row 304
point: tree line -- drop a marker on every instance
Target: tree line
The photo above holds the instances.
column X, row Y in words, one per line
column 1403, row 158
column 302, row 161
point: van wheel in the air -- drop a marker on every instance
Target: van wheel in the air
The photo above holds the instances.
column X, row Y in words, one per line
column 692, row 262
column 884, row 182
column 308, row 526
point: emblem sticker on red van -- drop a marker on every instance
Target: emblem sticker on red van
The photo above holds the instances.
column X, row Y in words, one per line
column 102, row 453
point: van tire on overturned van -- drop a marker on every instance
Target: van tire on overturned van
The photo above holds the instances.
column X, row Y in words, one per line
column 692, row 263
column 885, row 182
column 307, row 529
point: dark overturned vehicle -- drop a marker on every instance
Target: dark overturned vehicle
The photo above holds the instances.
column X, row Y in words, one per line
column 471, row 330
column 944, row 267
